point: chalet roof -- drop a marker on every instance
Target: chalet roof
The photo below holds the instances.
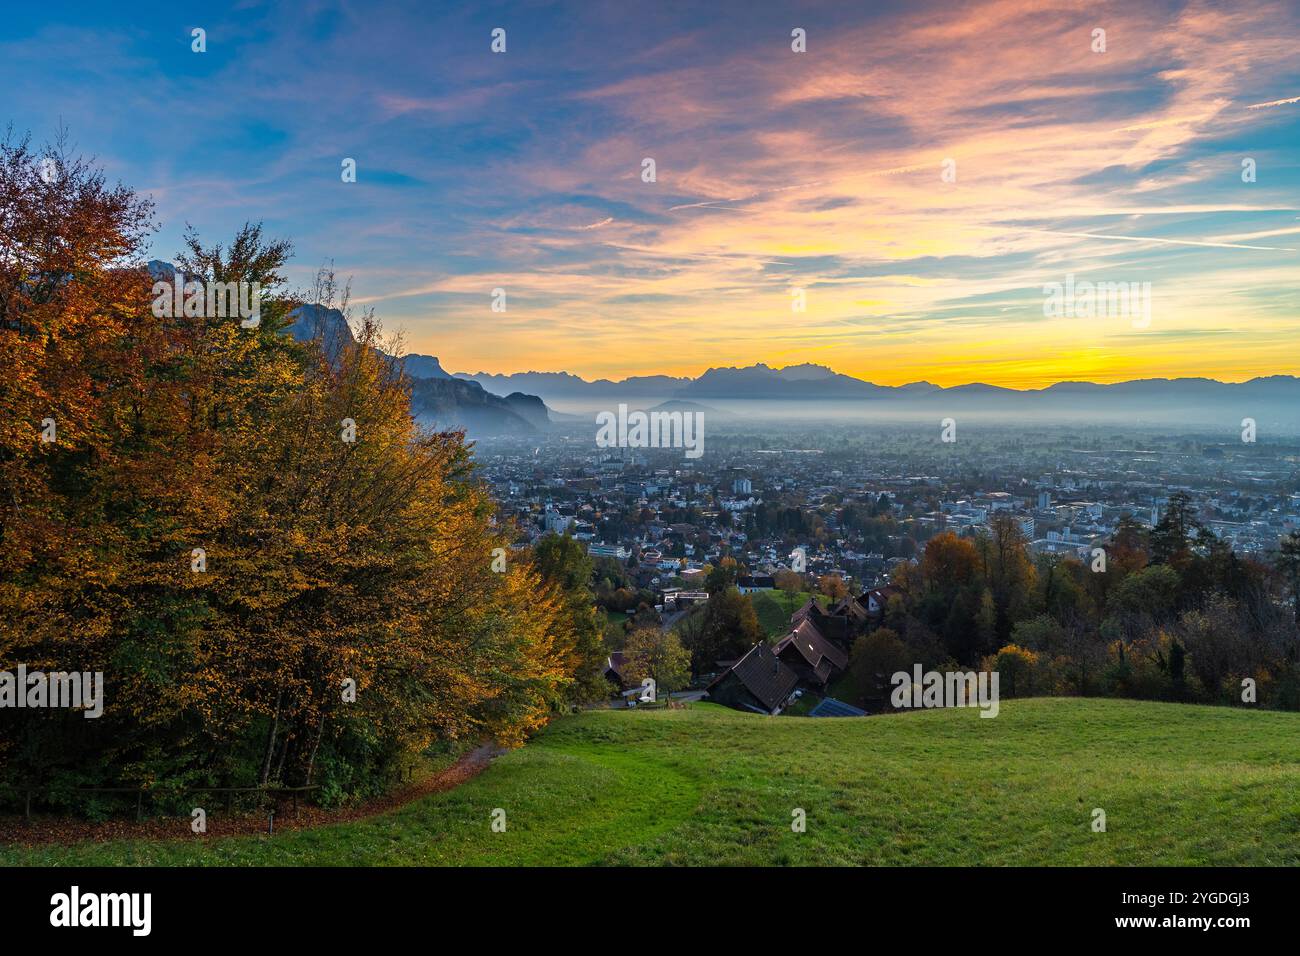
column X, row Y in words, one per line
column 763, row 675
column 882, row 595
column 834, row 627
column 756, row 581
column 813, row 647
column 807, row 608
column 850, row 607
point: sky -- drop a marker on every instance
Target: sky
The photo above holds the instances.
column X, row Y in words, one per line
column 923, row 172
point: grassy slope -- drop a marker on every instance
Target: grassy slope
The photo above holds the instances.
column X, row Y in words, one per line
column 1179, row 784
column 773, row 609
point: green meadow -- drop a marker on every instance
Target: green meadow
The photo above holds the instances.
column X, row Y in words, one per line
column 1178, row 784
column 773, row 609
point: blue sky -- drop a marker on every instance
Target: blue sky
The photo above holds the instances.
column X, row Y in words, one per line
column 776, row 171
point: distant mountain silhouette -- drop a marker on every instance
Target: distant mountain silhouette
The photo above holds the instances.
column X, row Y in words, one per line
column 798, row 383
column 423, row 366
column 817, row 381
column 437, row 399
column 808, row 386
column 561, row 385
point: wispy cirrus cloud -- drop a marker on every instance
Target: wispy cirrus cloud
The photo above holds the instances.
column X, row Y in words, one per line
column 1263, row 106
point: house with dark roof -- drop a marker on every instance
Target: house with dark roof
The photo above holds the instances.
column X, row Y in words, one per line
column 758, row 682
column 876, row 600
column 807, row 652
column 615, row 664
column 836, row 628
column 854, row 610
column 749, row 583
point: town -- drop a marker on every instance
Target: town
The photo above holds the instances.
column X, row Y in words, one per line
column 824, row 518
column 857, row 502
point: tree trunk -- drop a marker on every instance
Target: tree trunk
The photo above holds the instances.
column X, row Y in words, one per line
column 270, row 739
column 315, row 745
column 284, row 752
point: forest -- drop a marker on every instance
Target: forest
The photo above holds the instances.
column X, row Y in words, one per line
column 282, row 579
column 1168, row 612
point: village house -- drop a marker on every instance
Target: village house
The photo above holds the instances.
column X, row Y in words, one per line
column 876, row 600
column 812, row 655
column 813, row 658
column 758, row 682
column 838, row 629
column 615, row 665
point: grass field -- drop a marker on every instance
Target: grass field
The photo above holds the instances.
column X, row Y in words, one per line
column 773, row 609
column 1179, row 785
column 614, row 622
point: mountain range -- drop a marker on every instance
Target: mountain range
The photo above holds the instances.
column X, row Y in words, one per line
column 437, row 399
column 809, row 383
column 527, row 402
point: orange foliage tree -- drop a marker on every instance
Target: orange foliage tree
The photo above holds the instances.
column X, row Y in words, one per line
column 271, row 594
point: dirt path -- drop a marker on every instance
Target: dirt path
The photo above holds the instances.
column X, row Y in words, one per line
column 61, row 830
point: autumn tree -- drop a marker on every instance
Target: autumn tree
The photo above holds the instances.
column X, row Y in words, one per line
column 1015, row 666
column 833, row 586
column 791, row 584
column 1009, row 573
column 566, row 568
column 659, row 655
column 1172, row 536
column 1288, row 565
column 722, row 575
column 727, row 627
column 282, row 577
column 949, row 562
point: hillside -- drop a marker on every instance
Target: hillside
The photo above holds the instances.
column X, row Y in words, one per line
column 774, row 608
column 1179, row 784
column 437, row 399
